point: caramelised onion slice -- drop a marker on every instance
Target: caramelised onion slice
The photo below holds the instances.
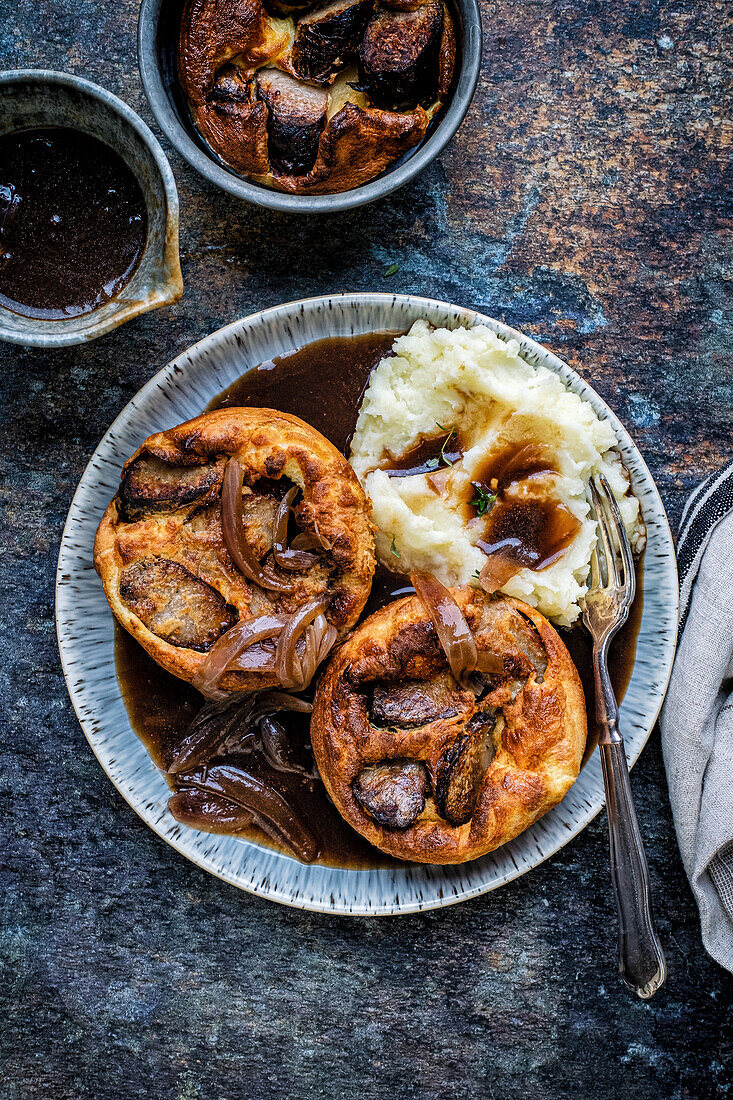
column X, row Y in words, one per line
column 497, row 570
column 228, row 649
column 320, row 637
column 306, row 540
column 324, row 542
column 228, row 724
column 276, row 747
column 271, row 810
column 258, row 658
column 326, row 636
column 286, row 558
column 438, row 481
column 489, row 662
column 453, row 631
column 288, row 664
column 319, row 628
column 309, row 660
column 280, row 700
column 329, row 641
column 227, row 721
column 201, row 810
column 233, row 531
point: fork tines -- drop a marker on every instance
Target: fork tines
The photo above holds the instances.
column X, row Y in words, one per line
column 613, row 567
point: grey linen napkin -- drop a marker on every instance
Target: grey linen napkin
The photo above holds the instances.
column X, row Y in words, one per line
column 697, row 718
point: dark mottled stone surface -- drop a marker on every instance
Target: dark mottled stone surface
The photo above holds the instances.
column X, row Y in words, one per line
column 584, row 200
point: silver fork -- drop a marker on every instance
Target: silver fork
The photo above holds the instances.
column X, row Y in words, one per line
column 641, row 959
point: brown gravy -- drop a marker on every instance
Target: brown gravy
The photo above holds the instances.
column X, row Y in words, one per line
column 531, row 533
column 323, row 384
column 432, row 453
column 516, row 462
column 73, row 223
column 530, row 530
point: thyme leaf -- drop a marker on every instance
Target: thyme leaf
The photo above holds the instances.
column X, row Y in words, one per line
column 446, row 441
column 483, row 500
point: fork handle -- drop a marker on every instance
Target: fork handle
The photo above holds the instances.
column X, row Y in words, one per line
column 642, row 964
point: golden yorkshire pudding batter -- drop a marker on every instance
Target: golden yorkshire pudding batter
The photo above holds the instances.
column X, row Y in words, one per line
column 315, row 98
column 304, row 540
column 433, row 771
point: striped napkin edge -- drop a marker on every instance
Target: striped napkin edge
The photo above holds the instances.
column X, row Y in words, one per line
column 707, row 506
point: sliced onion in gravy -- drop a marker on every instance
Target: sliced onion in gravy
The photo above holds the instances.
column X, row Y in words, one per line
column 306, row 540
column 288, row 665
column 230, row 725
column 288, row 557
column 272, row 813
column 453, row 631
column 230, row 647
column 233, row 531
column 497, row 570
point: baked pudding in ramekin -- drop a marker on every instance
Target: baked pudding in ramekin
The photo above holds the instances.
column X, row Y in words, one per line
column 315, row 98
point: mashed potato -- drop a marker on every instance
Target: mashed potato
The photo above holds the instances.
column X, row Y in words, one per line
column 471, row 380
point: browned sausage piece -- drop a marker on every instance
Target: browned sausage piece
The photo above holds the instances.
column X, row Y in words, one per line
column 326, row 37
column 258, row 520
column 233, row 85
column 462, row 769
column 297, row 115
column 150, row 485
column 528, row 642
column 411, row 703
column 514, row 633
column 180, row 608
column 394, row 793
column 398, row 56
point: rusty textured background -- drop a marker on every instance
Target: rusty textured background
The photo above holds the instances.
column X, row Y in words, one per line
column 587, row 200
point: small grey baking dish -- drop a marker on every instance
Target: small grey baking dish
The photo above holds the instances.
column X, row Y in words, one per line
column 158, row 29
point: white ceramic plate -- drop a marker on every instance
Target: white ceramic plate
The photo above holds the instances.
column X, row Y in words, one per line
column 86, row 629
